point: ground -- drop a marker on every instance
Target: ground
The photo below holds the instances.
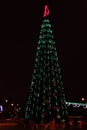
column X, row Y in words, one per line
column 82, row 125
column 15, row 128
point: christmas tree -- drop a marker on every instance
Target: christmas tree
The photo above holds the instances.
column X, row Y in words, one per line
column 46, row 99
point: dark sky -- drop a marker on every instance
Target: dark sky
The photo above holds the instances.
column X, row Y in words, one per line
column 20, row 27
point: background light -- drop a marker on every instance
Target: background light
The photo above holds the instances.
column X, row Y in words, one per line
column 6, row 100
column 12, row 104
column 1, row 108
column 83, row 99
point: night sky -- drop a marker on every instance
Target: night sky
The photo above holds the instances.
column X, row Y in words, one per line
column 20, row 27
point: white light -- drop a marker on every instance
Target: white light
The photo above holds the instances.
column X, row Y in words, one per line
column 74, row 105
column 6, row 100
column 12, row 104
column 1, row 108
column 78, row 105
column 86, row 106
column 83, row 99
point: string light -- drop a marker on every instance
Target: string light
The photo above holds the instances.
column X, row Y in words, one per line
column 46, row 79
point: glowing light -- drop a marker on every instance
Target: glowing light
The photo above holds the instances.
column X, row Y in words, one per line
column 19, row 108
column 43, row 93
column 46, row 11
column 83, row 99
column 1, row 108
column 86, row 106
column 12, row 104
column 76, row 104
column 6, row 100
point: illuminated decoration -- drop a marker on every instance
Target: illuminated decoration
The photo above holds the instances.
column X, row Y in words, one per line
column 46, row 94
column 1, row 108
column 74, row 104
column 46, row 11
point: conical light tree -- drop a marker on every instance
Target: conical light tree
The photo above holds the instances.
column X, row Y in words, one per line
column 46, row 95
